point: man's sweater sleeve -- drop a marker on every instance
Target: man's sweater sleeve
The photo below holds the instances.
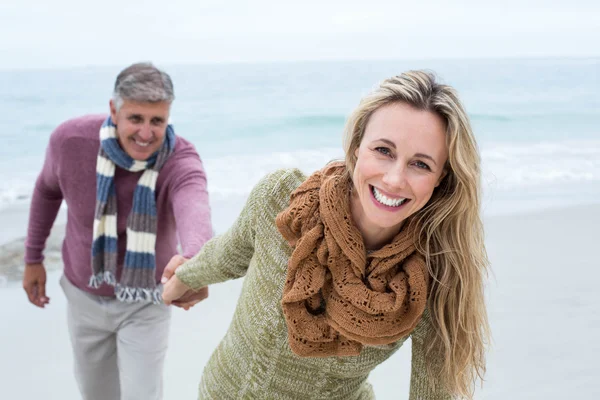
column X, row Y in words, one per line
column 45, row 201
column 190, row 205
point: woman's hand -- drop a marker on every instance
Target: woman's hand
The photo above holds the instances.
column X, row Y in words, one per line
column 176, row 292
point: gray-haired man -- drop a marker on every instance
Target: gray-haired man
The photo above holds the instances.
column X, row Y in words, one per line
column 132, row 189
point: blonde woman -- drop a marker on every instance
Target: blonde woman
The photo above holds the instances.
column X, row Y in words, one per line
column 341, row 267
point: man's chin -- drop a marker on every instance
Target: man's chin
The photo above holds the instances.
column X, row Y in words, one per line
column 139, row 154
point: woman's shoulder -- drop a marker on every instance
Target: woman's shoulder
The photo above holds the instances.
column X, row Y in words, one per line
column 272, row 193
column 279, row 184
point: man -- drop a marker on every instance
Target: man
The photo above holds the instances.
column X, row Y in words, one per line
column 132, row 188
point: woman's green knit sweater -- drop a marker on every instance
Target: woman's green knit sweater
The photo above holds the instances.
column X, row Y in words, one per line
column 254, row 360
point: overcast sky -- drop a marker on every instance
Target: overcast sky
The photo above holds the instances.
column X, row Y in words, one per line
column 42, row 33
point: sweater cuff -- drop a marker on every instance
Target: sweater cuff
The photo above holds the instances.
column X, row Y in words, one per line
column 33, row 256
column 189, row 275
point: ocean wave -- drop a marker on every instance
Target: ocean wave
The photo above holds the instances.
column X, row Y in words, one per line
column 315, row 120
column 303, row 123
column 491, row 117
column 23, row 100
column 238, row 174
column 533, row 117
column 15, row 191
column 511, row 166
column 505, row 167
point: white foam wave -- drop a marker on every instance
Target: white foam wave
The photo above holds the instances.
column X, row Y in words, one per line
column 505, row 167
column 520, row 165
column 15, row 191
column 236, row 175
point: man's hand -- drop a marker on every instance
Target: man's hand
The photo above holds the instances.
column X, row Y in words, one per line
column 34, row 283
column 176, row 292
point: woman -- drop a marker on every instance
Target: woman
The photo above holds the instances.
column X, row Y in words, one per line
column 343, row 266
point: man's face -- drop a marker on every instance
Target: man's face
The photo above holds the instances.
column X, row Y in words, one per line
column 141, row 127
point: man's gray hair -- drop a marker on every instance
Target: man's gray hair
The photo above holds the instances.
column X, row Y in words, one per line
column 143, row 83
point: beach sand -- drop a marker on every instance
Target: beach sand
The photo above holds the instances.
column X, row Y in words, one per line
column 543, row 307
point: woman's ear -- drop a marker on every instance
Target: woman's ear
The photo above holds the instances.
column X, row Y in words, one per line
column 442, row 176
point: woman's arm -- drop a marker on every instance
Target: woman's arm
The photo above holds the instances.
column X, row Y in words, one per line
column 420, row 386
column 228, row 256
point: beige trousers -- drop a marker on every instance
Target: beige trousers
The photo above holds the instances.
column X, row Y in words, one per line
column 118, row 348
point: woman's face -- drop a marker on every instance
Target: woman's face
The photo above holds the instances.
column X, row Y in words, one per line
column 400, row 161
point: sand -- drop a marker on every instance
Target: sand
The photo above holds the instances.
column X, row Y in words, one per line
column 543, row 307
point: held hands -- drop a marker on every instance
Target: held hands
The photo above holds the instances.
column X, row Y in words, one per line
column 176, row 292
column 34, row 283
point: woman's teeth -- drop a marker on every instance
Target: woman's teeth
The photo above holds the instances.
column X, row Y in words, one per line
column 386, row 200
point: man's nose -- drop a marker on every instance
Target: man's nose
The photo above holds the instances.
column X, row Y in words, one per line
column 145, row 132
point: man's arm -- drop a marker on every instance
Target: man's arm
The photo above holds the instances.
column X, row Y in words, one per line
column 191, row 207
column 192, row 216
column 45, row 203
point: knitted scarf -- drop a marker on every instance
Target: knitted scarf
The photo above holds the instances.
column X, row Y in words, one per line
column 336, row 297
column 138, row 281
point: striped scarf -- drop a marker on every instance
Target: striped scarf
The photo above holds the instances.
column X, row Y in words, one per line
column 138, row 282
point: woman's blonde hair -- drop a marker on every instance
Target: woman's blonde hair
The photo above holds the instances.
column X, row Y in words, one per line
column 451, row 232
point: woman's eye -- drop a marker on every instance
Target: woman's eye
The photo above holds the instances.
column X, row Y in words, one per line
column 383, row 150
column 422, row 165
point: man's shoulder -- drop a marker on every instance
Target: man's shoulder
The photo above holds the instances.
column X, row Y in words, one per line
column 86, row 126
column 184, row 156
column 184, row 148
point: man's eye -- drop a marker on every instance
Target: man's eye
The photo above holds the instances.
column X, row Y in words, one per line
column 135, row 119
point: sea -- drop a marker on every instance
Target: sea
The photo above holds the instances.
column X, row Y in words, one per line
column 536, row 122
column 537, row 127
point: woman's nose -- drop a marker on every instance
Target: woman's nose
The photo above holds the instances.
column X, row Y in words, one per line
column 395, row 178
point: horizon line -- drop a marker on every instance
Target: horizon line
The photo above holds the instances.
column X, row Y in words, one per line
column 299, row 61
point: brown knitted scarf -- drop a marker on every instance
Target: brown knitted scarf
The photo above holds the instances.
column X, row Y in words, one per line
column 336, row 297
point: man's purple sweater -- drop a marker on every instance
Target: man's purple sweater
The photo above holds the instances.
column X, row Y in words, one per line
column 69, row 173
